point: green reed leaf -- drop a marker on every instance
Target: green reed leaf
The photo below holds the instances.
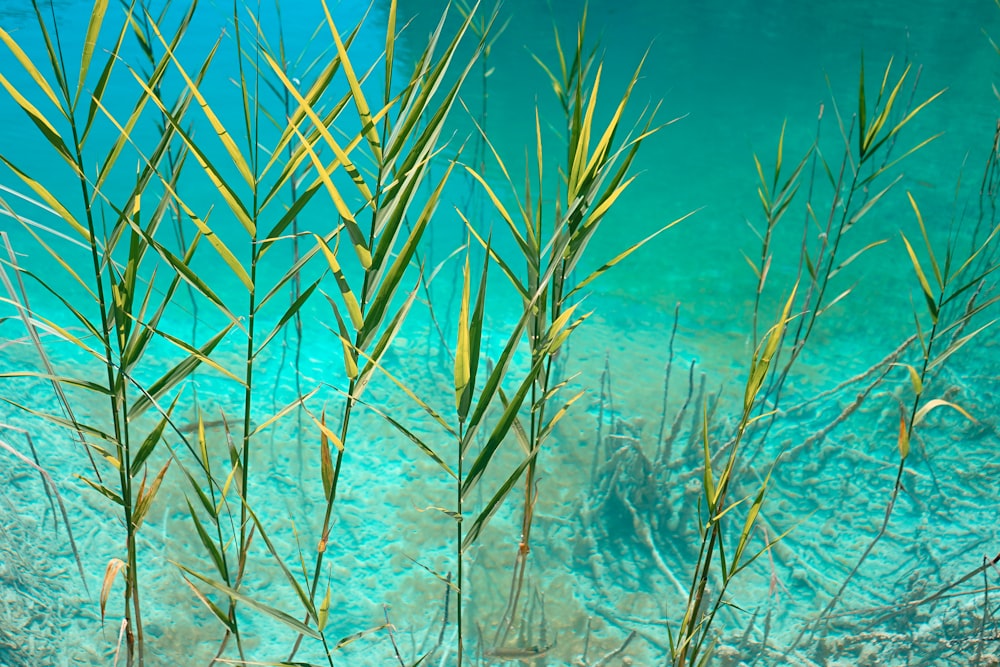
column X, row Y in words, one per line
column 902, row 123
column 325, row 461
column 309, row 145
column 495, row 502
column 389, row 282
column 181, row 371
column 103, row 490
column 462, row 349
column 221, row 248
column 350, row 301
column 903, row 440
column 512, row 275
column 49, row 200
column 938, row 277
column 476, row 335
column 364, row 113
column 871, row 201
column 500, row 430
column 548, row 427
column 390, row 43
column 276, row 614
column 353, row 230
column 302, row 593
column 879, row 121
column 41, row 122
column 32, row 70
column 854, row 256
column 293, row 310
column 382, row 344
column 324, row 611
column 925, row 287
column 708, row 482
column 90, row 42
column 415, row 109
column 218, row 612
column 72, row 424
column 66, row 380
column 350, row 355
column 956, row 345
column 414, row 438
column 151, row 440
column 235, row 154
column 525, row 247
column 287, row 408
column 289, row 216
column 625, row 254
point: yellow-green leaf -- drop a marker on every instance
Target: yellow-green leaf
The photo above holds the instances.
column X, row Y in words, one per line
column 90, row 41
column 462, row 351
column 364, row 113
column 30, row 68
column 324, row 611
column 350, row 301
column 924, row 285
column 937, row 403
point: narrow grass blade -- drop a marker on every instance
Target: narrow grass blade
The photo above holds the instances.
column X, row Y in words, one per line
column 925, row 287
column 102, row 489
column 206, row 540
column 462, row 350
column 415, row 439
column 217, row 611
column 49, row 200
column 495, row 502
column 150, row 441
column 298, row 402
column 353, row 230
column 938, row 277
column 390, row 281
column 48, row 130
column 303, row 595
column 326, row 460
column 955, row 346
column 350, row 301
column 276, row 614
column 196, row 357
column 234, row 153
column 389, row 333
column 32, row 69
column 89, row 43
column 350, row 354
column 625, row 254
column 500, row 430
column 293, row 309
column 364, row 113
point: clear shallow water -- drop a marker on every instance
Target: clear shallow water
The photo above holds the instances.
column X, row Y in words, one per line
column 735, row 73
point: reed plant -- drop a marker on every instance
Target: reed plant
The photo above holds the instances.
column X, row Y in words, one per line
column 326, row 180
column 862, row 176
column 114, row 319
column 593, row 175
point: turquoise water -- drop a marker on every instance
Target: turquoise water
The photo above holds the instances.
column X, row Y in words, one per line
column 615, row 535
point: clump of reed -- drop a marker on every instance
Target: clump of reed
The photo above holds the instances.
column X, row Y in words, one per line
column 324, row 188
